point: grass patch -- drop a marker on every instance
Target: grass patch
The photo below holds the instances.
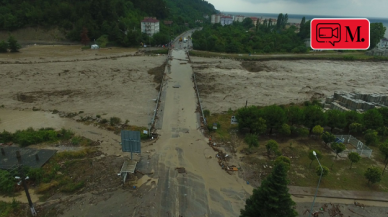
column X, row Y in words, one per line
column 31, row 136
column 224, row 127
column 309, row 56
column 159, row 51
column 10, row 209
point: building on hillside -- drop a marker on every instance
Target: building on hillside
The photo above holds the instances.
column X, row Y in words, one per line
column 206, row 16
column 254, row 20
column 168, row 22
column 383, row 43
column 273, row 20
column 215, row 18
column 150, row 25
column 238, row 18
column 226, row 20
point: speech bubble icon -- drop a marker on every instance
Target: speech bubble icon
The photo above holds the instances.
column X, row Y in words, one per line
column 328, row 32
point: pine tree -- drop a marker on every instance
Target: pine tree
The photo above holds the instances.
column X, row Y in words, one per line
column 272, row 197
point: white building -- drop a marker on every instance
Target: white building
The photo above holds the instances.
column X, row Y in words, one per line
column 215, row 18
column 150, row 25
column 226, row 20
column 383, row 43
column 239, row 18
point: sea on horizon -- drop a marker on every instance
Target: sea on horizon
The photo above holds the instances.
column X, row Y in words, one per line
column 297, row 18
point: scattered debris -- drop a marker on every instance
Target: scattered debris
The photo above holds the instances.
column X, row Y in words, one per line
column 181, row 169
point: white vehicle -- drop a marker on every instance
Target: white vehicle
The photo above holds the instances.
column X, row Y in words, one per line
column 185, row 40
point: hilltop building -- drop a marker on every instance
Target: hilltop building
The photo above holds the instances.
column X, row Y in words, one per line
column 150, row 25
column 215, row 18
column 254, row 20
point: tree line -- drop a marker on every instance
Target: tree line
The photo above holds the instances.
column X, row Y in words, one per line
column 263, row 38
column 114, row 19
column 245, row 37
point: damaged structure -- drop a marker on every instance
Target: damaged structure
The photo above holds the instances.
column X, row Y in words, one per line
column 356, row 101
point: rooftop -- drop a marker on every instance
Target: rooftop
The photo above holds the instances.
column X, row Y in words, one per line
column 150, row 20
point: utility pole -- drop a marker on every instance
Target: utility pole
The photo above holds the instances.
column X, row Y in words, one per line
column 23, row 180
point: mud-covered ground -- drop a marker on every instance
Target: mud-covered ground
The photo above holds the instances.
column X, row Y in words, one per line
column 225, row 83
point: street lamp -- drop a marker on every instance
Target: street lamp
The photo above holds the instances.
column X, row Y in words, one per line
column 316, row 191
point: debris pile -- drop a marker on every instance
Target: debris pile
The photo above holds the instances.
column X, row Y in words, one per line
column 222, row 157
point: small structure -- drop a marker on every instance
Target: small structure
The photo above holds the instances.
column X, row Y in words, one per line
column 233, row 120
column 356, row 101
column 215, row 18
column 357, row 145
column 94, row 46
column 150, row 26
column 30, row 157
column 128, row 167
column 130, row 141
column 168, row 22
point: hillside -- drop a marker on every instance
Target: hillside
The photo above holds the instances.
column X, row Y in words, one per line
column 103, row 17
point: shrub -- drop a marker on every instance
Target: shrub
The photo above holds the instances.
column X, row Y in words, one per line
column 303, row 132
column 98, row 116
column 3, row 47
column 31, row 136
column 115, row 121
column 251, row 140
column 36, row 174
column 371, row 137
column 65, row 134
column 373, row 175
column 102, row 41
column 104, row 121
column 324, row 172
column 285, row 130
column 5, row 136
column 13, row 44
column 7, row 182
column 206, row 113
column 76, row 140
column 349, row 58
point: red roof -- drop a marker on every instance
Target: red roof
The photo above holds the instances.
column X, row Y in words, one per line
column 226, row 17
column 150, row 20
column 253, row 18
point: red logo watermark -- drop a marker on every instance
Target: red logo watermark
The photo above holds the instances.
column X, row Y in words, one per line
column 340, row 34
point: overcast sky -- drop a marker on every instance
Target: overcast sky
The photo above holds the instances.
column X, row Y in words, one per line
column 352, row 8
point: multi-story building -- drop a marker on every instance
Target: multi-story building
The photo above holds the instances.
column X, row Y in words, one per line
column 226, row 20
column 215, row 18
column 150, row 25
column 239, row 18
column 254, row 20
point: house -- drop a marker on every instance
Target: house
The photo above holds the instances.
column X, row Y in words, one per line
column 168, row 22
column 215, row 18
column 254, row 20
column 238, row 18
column 150, row 25
column 226, row 20
column 383, row 43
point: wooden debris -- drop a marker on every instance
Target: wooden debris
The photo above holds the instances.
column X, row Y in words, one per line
column 181, row 169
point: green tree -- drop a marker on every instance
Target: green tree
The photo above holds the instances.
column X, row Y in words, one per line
column 272, row 197
column 303, row 132
column 354, row 157
column 384, row 150
column 318, row 130
column 373, row 119
column 250, row 118
column 324, row 170
column 371, row 137
column 3, row 47
column 251, row 140
column 336, row 119
column 314, row 115
column 13, row 44
column 285, row 130
column 355, row 128
column 352, row 117
column 338, row 148
column 7, row 182
column 373, row 175
column 295, row 115
column 247, row 23
column 274, row 117
column 283, row 159
column 328, row 137
column 384, row 112
column 272, row 146
column 377, row 31
column 312, row 156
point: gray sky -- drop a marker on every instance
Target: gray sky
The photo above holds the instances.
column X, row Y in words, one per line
column 353, row 8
